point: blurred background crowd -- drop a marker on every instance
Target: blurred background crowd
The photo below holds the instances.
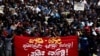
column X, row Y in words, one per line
column 40, row 18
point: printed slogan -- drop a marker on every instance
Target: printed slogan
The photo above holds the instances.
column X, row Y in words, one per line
column 54, row 46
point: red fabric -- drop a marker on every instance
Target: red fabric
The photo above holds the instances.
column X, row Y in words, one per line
column 5, row 33
column 29, row 46
column 87, row 28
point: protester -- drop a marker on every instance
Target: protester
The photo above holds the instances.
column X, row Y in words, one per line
column 1, row 47
column 8, row 46
column 50, row 18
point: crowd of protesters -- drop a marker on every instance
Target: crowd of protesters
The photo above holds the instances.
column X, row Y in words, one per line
column 49, row 18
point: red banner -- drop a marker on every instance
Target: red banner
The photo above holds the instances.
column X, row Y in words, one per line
column 54, row 46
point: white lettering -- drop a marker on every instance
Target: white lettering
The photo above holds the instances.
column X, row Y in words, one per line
column 57, row 52
column 68, row 45
column 52, row 46
column 34, row 46
column 37, row 53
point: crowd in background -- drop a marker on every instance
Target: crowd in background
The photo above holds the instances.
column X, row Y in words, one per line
column 40, row 18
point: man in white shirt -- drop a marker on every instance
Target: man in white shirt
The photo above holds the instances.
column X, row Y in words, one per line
column 36, row 8
column 22, row 1
column 0, row 0
column 84, row 2
column 98, row 3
